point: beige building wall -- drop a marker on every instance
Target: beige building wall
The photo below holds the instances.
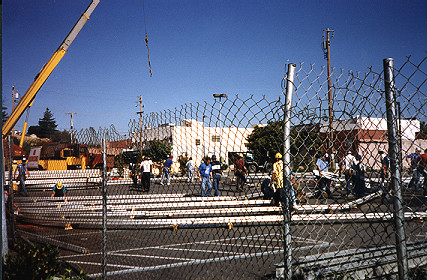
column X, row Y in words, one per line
column 195, row 140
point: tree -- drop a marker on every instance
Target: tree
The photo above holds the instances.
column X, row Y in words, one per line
column 47, row 125
column 159, row 150
column 266, row 141
column 61, row 136
column 34, row 129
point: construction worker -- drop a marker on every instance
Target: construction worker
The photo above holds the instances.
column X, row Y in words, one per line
column 23, row 173
column 277, row 180
column 59, row 190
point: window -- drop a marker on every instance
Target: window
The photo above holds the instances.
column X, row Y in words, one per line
column 197, row 142
column 216, row 138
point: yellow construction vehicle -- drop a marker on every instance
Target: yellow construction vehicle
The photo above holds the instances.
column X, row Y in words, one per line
column 41, row 77
column 64, row 156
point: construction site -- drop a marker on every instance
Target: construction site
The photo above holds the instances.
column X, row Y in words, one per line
column 334, row 180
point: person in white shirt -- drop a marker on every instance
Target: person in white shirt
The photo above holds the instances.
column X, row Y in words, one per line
column 146, row 168
column 346, row 164
column 190, row 169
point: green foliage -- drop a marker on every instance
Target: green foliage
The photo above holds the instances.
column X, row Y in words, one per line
column 47, row 126
column 31, row 262
column 305, row 148
column 36, row 262
column 69, row 276
column 61, row 136
column 268, row 140
column 182, row 160
column 159, row 150
column 119, row 163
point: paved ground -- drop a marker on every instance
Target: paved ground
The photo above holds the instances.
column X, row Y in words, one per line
column 216, row 252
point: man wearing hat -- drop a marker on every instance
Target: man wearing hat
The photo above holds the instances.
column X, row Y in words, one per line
column 278, row 181
column 23, row 173
column 59, row 190
column 216, row 174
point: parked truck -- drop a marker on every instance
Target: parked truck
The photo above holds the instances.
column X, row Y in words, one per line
column 252, row 165
column 64, row 156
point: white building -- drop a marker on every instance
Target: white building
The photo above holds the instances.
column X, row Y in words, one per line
column 367, row 135
column 195, row 140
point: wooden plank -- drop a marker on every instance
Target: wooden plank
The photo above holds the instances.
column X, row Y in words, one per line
column 236, row 220
column 54, row 242
column 97, row 206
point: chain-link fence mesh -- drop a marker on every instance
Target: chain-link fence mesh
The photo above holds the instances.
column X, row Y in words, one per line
column 134, row 216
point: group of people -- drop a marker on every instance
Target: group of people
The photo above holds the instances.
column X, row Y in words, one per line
column 59, row 190
column 353, row 170
column 210, row 174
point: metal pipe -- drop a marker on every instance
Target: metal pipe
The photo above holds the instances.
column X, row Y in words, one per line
column 11, row 194
column 286, row 171
column 395, row 168
column 5, row 248
column 104, row 210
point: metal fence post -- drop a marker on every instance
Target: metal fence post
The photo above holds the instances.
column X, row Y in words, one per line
column 104, row 211
column 5, row 247
column 286, row 172
column 11, row 194
column 395, row 167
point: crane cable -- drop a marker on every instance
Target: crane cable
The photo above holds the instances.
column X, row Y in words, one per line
column 146, row 40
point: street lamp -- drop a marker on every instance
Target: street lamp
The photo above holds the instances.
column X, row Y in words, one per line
column 220, row 95
column 203, row 141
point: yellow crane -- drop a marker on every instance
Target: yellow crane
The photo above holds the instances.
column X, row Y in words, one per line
column 47, row 69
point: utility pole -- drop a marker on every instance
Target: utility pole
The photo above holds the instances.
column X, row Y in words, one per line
column 141, row 106
column 327, row 49
column 71, row 125
column 15, row 96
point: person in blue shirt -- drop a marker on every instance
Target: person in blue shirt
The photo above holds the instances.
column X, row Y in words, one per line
column 22, row 175
column 412, row 160
column 385, row 165
column 216, row 174
column 166, row 170
column 205, row 171
column 323, row 183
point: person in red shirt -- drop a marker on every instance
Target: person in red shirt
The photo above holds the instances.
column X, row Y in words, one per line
column 240, row 171
column 422, row 168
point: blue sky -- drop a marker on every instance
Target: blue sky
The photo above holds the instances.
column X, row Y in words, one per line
column 196, row 48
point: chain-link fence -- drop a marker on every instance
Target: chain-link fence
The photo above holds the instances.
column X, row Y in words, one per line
column 333, row 185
